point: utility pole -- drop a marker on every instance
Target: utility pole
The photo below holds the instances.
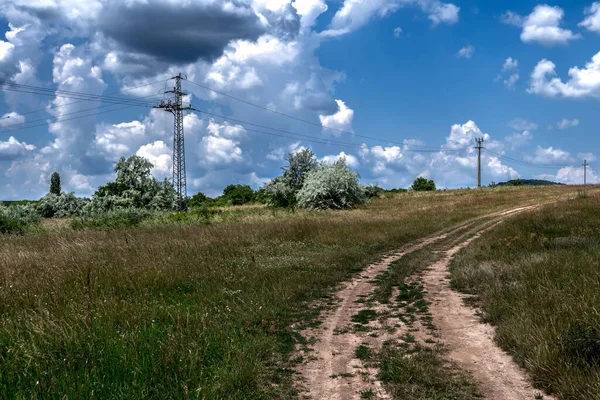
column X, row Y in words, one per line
column 585, row 165
column 479, row 147
column 176, row 108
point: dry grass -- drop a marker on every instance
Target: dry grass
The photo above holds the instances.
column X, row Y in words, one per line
column 195, row 311
column 537, row 278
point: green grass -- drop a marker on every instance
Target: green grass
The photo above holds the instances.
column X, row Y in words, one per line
column 419, row 373
column 189, row 310
column 537, row 278
column 363, row 352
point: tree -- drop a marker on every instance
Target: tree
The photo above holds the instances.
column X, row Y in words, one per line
column 55, row 184
column 422, row 184
column 281, row 191
column 134, row 186
column 198, row 200
column 238, row 194
column 331, row 186
column 299, row 165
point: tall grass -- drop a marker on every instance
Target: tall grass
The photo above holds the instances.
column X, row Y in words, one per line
column 537, row 278
column 194, row 310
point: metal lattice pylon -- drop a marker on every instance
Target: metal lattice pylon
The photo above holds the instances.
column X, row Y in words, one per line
column 176, row 107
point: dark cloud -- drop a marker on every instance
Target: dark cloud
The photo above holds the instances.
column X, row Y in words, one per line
column 177, row 34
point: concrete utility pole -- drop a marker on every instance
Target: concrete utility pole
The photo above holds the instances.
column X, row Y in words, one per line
column 585, row 165
column 176, row 108
column 479, row 147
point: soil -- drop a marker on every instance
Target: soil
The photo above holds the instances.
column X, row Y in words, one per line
column 331, row 369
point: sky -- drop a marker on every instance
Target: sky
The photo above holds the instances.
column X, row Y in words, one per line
column 400, row 88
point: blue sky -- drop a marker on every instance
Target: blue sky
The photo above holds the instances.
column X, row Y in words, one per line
column 397, row 77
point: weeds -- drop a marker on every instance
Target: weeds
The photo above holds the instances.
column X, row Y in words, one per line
column 194, row 310
column 536, row 278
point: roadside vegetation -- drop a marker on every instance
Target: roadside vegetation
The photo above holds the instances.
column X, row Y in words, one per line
column 180, row 309
column 537, row 279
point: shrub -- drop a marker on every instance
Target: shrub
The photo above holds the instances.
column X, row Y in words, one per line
column 118, row 218
column 60, row 206
column 372, row 190
column 422, row 184
column 331, row 186
column 15, row 219
column 238, row 194
column 280, row 194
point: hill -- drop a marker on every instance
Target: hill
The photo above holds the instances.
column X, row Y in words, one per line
column 528, row 182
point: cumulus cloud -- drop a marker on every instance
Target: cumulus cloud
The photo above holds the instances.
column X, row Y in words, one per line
column 566, row 124
column 12, row 149
column 541, row 26
column 397, row 32
column 510, row 73
column 466, row 52
column 583, row 82
column 309, row 11
column 592, row 19
column 10, row 119
column 355, row 14
column 521, row 124
column 351, row 160
column 572, row 175
column 158, row 154
column 340, row 121
column 550, row 156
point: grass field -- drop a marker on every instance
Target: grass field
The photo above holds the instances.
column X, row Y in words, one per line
column 190, row 310
column 537, row 278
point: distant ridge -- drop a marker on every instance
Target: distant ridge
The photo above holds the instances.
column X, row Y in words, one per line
column 528, row 182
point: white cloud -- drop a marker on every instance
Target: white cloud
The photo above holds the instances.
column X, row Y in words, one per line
column 550, row 156
column 583, row 82
column 510, row 73
column 218, row 150
column 521, row 124
column 397, row 32
column 5, row 50
column 463, row 136
column 354, row 14
column 309, row 10
column 341, row 120
column 572, row 175
column 518, row 140
column 466, row 52
column 119, row 140
column 566, row 124
column 10, row 119
column 510, row 64
column 592, row 19
column 542, row 26
column 158, row 154
column 12, row 149
column 439, row 12
column 351, row 160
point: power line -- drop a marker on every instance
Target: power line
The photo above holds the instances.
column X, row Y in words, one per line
column 297, row 118
column 322, row 140
column 79, row 101
column 526, row 162
column 24, row 125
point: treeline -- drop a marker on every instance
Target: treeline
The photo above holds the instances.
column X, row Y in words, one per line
column 136, row 195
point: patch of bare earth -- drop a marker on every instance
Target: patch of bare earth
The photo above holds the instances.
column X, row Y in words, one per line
column 331, row 369
column 469, row 341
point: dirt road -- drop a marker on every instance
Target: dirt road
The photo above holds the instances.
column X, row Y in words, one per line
column 333, row 370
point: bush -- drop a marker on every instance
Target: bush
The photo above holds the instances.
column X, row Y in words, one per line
column 238, row 195
column 61, row 206
column 15, row 219
column 119, row 218
column 422, row 184
column 280, row 194
column 372, row 190
column 331, row 186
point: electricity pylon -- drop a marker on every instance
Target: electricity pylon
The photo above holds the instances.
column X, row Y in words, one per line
column 176, row 108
